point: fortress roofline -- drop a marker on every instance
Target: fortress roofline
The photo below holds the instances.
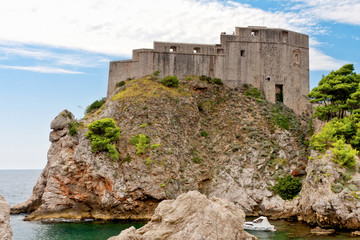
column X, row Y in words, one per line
column 182, row 43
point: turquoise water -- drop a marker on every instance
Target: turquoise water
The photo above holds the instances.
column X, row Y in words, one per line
column 16, row 186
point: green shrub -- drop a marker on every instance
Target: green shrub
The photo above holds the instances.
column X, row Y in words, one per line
column 95, row 105
column 72, row 129
column 217, row 81
column 337, row 187
column 155, row 146
column 253, row 92
column 120, row 84
column 141, row 143
column 287, row 187
column 196, row 159
column 324, row 138
column 170, row 81
column 156, row 73
column 126, row 159
column 344, row 154
column 205, row 78
column 204, row 133
column 103, row 134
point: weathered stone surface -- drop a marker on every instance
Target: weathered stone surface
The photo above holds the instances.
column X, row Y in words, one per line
column 319, row 204
column 321, row 231
column 5, row 228
column 234, row 157
column 62, row 120
column 56, row 135
column 192, row 216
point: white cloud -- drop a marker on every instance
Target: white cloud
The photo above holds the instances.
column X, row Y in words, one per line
column 321, row 61
column 117, row 27
column 344, row 11
column 40, row 69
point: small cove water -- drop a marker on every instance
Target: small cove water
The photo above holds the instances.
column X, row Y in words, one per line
column 16, row 186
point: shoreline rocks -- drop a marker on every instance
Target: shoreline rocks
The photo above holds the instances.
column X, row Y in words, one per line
column 192, row 216
column 5, row 227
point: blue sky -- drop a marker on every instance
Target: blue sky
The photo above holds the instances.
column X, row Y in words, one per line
column 55, row 55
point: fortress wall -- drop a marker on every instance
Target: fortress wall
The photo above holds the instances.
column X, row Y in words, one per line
column 179, row 64
column 269, row 59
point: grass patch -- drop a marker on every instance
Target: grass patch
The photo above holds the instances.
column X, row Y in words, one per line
column 144, row 88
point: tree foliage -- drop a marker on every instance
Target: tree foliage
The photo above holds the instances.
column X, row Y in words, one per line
column 288, row 187
column 95, row 105
column 344, row 154
column 103, row 135
column 337, row 93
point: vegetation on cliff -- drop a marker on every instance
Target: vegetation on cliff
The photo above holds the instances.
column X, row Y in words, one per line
column 338, row 96
column 103, row 135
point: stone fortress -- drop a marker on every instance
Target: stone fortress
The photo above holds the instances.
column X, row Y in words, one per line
column 273, row 60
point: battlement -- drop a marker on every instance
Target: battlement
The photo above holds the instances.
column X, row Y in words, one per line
column 273, row 60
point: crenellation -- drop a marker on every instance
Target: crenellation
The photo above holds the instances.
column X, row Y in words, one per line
column 270, row 59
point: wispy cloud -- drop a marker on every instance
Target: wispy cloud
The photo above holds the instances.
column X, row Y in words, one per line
column 344, row 11
column 80, row 59
column 40, row 69
column 321, row 61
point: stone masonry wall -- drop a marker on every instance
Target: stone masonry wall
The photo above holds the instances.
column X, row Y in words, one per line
column 268, row 59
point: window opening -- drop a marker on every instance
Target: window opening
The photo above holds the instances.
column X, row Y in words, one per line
column 196, row 50
column 254, row 33
column 242, row 53
column 220, row 51
column 172, row 49
column 267, row 79
column 279, row 95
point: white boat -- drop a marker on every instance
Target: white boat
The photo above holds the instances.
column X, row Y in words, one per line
column 259, row 224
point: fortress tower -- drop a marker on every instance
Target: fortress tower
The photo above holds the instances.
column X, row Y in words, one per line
column 273, row 60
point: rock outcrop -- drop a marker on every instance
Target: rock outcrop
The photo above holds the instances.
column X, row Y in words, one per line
column 5, row 227
column 192, row 216
column 213, row 139
column 330, row 195
column 204, row 137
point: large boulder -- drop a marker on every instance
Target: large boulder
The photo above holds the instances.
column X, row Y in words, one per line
column 62, row 120
column 5, row 228
column 192, row 216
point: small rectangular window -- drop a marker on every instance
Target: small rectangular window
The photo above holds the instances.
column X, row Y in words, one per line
column 196, row 50
column 220, row 51
column 254, row 33
column 172, row 49
column 242, row 53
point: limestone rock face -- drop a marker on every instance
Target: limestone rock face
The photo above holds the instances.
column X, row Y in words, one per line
column 192, row 216
column 62, row 120
column 5, row 228
column 329, row 196
column 203, row 137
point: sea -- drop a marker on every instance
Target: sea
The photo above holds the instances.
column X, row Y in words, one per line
column 16, row 187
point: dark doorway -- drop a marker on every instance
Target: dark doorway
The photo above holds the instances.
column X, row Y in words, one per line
column 279, row 96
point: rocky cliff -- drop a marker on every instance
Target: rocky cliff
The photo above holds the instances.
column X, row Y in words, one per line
column 223, row 142
column 5, row 228
column 192, row 216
